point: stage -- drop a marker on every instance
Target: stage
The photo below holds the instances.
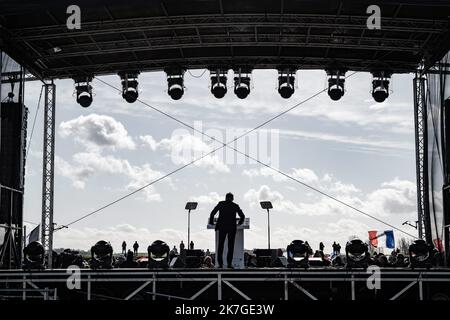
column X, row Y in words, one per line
column 223, row 284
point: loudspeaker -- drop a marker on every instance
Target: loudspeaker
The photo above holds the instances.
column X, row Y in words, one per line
column 12, row 161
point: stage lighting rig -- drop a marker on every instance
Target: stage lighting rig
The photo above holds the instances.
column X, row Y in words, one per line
column 218, row 83
column 242, row 82
column 286, row 82
column 129, row 86
column 336, row 82
column 380, row 85
column 298, row 254
column 357, row 254
column 421, row 255
column 158, row 255
column 83, row 91
column 101, row 255
column 34, row 256
column 175, row 83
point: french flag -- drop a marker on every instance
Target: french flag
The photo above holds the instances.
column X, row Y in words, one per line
column 389, row 234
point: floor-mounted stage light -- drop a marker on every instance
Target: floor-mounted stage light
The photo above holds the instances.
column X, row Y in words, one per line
column 298, row 254
column 101, row 255
column 34, row 256
column 242, row 83
column 357, row 254
column 286, row 82
column 83, row 91
column 218, row 83
column 336, row 82
column 158, row 255
column 421, row 254
column 175, row 83
column 129, row 86
column 380, row 85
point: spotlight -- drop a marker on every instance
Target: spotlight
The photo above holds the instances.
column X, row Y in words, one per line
column 421, row 255
column 34, row 256
column 83, row 91
column 70, row 257
column 218, row 83
column 175, row 82
column 101, row 255
column 129, row 86
column 357, row 254
column 298, row 254
column 286, row 80
column 242, row 83
column 336, row 81
column 380, row 85
column 158, row 255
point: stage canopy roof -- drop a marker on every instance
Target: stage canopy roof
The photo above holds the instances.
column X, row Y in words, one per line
column 159, row 34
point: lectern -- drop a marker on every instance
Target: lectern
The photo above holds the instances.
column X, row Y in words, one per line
column 238, row 256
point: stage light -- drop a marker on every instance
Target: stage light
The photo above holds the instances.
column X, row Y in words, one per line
column 129, row 86
column 218, row 83
column 336, row 83
column 34, row 256
column 421, row 254
column 70, row 257
column 158, row 255
column 357, row 254
column 380, row 85
column 298, row 254
column 83, row 90
column 175, row 83
column 286, row 81
column 242, row 83
column 101, row 255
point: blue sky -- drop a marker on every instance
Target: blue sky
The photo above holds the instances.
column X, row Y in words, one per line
column 355, row 149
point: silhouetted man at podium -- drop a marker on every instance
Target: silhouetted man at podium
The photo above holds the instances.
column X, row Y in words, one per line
column 226, row 225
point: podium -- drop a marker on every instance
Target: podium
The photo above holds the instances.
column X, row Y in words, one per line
column 238, row 256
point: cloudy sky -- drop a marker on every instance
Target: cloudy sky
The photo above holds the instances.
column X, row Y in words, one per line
column 356, row 150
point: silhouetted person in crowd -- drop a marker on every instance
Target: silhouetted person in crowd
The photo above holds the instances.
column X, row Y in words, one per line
column 135, row 248
column 226, row 226
column 207, row 253
column 182, row 247
column 334, row 246
column 124, row 247
column 321, row 247
column 338, row 248
column 191, row 245
column 174, row 250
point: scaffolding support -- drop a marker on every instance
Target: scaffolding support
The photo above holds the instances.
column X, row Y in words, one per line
column 48, row 170
column 421, row 137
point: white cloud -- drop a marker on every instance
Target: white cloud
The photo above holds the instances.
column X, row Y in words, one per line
column 87, row 164
column 184, row 148
column 97, row 131
column 210, row 198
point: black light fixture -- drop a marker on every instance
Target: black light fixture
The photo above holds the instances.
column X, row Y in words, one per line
column 421, row 254
column 286, row 81
column 357, row 254
column 34, row 256
column 83, row 90
column 336, row 82
column 101, row 255
column 242, row 82
column 175, row 83
column 298, row 254
column 380, row 85
column 129, row 86
column 218, row 83
column 158, row 255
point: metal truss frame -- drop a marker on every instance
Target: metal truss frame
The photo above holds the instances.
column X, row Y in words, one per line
column 240, row 282
column 48, row 170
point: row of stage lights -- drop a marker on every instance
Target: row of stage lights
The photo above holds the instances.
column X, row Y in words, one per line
column 218, row 77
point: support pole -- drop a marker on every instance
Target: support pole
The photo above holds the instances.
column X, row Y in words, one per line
column 48, row 170
column 268, row 228
column 189, row 228
column 421, row 137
